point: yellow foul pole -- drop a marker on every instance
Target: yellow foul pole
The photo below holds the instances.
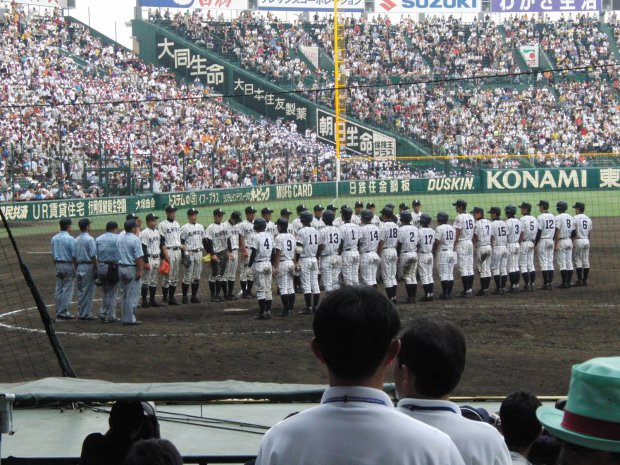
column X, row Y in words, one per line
column 339, row 106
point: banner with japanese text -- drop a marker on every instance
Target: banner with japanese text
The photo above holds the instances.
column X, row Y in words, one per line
column 344, row 6
column 541, row 6
column 550, row 179
column 427, row 6
column 196, row 4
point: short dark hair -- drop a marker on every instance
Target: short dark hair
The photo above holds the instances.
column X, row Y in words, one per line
column 126, row 417
column 434, row 352
column 570, row 451
column 353, row 328
column 153, row 452
column 518, row 416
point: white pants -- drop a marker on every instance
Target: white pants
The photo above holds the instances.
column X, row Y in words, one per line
column 175, row 264
column 513, row 257
column 408, row 266
column 230, row 273
column 545, row 254
column 246, row 273
column 330, row 272
column 389, row 265
column 499, row 260
column 565, row 254
column 425, row 266
column 350, row 267
column 582, row 253
column 285, row 277
column 309, row 274
column 262, row 279
column 151, row 275
column 192, row 273
column 483, row 258
column 446, row 259
column 369, row 264
column 526, row 257
column 465, row 258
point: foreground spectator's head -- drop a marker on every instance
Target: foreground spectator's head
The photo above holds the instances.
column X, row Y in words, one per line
column 153, row 452
column 126, row 418
column 519, row 424
column 589, row 425
column 355, row 334
column 431, row 359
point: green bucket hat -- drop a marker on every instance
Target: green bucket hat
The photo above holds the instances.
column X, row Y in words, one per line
column 591, row 417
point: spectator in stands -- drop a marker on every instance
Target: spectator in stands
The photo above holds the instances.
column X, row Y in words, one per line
column 153, row 452
column 519, row 425
column 589, row 426
column 428, row 368
column 355, row 336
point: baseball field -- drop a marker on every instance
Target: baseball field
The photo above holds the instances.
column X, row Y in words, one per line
column 523, row 341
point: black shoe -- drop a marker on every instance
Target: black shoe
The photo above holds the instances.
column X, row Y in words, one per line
column 427, row 298
column 286, row 313
column 230, row 297
column 411, row 300
column 216, row 298
column 65, row 317
column 305, row 311
column 86, row 318
column 247, row 295
column 111, row 321
column 135, row 323
column 102, row 318
column 195, row 300
column 262, row 316
column 578, row 284
column 153, row 303
column 184, row 300
column 173, row 301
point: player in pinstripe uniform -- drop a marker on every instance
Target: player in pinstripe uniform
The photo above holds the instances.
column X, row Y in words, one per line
column 285, row 213
column 170, row 232
column 369, row 246
column 389, row 258
column 499, row 239
column 375, row 219
column 246, row 276
column 544, row 244
column 261, row 261
column 482, row 241
column 235, row 243
column 283, row 266
column 407, row 250
column 330, row 240
column 317, row 222
column 338, row 222
column 445, row 236
column 563, row 243
column 425, row 257
column 217, row 246
column 192, row 237
column 416, row 213
column 513, row 247
column 529, row 228
column 464, row 226
column 295, row 229
column 401, row 208
column 357, row 216
column 583, row 226
column 350, row 254
column 306, row 262
column 271, row 226
column 151, row 239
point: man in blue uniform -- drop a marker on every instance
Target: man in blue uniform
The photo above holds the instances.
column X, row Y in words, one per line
column 107, row 267
column 85, row 270
column 130, row 265
column 63, row 249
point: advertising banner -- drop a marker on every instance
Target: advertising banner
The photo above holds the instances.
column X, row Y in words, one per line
column 531, row 55
column 550, row 179
column 344, row 6
column 428, row 6
column 196, row 4
column 541, row 6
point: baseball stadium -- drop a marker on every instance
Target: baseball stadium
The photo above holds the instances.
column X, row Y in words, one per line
column 190, row 128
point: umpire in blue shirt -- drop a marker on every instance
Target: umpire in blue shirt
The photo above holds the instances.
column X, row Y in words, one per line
column 130, row 265
column 85, row 270
column 63, row 251
column 107, row 267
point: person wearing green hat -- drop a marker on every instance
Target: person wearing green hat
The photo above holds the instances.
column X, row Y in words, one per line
column 589, row 425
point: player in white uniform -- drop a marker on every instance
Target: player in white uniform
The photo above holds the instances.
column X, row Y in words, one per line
column 307, row 264
column 401, row 208
column 357, row 216
column 236, row 242
column 338, row 222
column 583, row 228
column 513, row 247
column 369, row 246
column 192, row 237
column 499, row 257
column 330, row 262
column 482, row 241
column 283, row 266
column 350, row 254
column 170, row 231
column 425, row 257
column 317, row 222
column 217, row 246
column 151, row 240
column 246, row 230
column 389, row 258
column 563, row 243
column 407, row 250
column 295, row 229
column 261, row 261
column 445, row 236
column 416, row 213
column 285, row 213
column 375, row 219
column 271, row 226
column 464, row 226
column 544, row 244
column 529, row 229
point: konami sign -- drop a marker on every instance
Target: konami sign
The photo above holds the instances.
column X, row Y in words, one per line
column 535, row 179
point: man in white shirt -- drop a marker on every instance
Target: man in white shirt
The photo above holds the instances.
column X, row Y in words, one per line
column 355, row 336
column 428, row 368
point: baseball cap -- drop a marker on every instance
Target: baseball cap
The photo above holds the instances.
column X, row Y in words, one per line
column 359, row 204
column 170, row 209
column 543, row 203
column 460, row 203
column 416, row 202
column 389, row 205
column 84, row 222
column 318, row 207
column 590, row 418
column 331, row 207
column 132, row 216
column 370, row 205
column 151, row 217
column 235, row 215
column 218, row 212
column 130, row 224
column 301, row 208
column 65, row 222
column 477, row 210
column 249, row 210
column 285, row 212
column 344, row 207
column 192, row 211
column 403, row 206
column 579, row 205
column 406, row 215
column 266, row 210
column 495, row 210
column 525, row 205
column 387, row 211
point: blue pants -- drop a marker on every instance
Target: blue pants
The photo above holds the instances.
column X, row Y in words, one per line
column 108, row 300
column 85, row 274
column 65, row 273
column 130, row 293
